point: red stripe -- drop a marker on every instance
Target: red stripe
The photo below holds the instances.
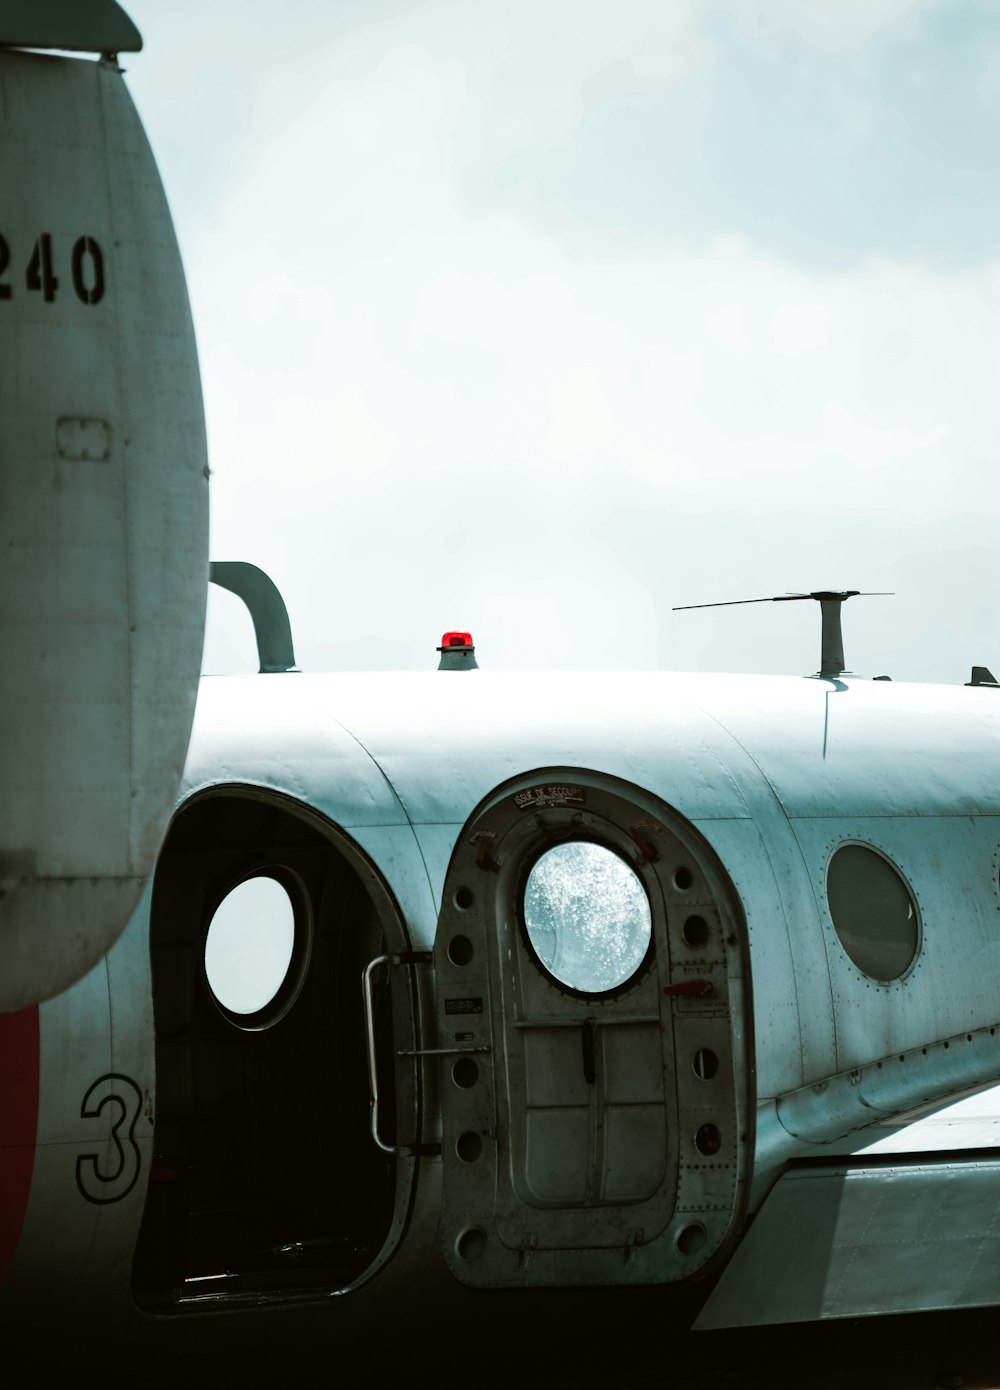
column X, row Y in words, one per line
column 18, row 1124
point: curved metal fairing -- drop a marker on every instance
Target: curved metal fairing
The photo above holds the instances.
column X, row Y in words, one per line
column 93, row 26
column 103, row 526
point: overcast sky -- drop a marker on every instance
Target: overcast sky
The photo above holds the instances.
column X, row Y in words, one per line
column 537, row 318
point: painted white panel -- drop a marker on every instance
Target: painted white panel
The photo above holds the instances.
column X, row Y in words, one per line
column 103, row 518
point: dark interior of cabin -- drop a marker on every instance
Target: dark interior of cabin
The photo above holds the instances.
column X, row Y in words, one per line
column 264, row 1175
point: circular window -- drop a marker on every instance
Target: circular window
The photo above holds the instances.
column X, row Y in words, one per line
column 873, row 913
column 587, row 917
column 249, row 950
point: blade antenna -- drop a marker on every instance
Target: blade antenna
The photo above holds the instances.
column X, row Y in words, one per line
column 831, row 662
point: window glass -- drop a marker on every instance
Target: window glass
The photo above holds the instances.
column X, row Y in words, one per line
column 587, row 916
column 249, row 945
column 873, row 913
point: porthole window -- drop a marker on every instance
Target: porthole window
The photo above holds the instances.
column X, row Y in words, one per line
column 255, row 949
column 587, row 917
column 873, row 912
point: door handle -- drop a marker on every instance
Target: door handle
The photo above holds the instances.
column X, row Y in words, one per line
column 588, row 1038
column 366, row 992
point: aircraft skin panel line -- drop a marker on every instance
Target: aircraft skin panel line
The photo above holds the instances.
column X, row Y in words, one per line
column 305, row 754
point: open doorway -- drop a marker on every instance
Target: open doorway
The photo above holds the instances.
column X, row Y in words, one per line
column 265, row 1176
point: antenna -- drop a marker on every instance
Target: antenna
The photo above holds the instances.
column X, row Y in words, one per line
column 831, row 662
column 267, row 609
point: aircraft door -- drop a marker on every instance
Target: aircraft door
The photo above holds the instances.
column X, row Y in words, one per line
column 591, row 974
column 266, row 1182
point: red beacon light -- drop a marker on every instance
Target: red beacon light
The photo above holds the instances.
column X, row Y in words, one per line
column 458, row 652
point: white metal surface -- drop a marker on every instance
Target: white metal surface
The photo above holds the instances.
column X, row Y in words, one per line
column 94, row 1138
column 437, row 747
column 970, row 1123
column 103, row 518
column 402, row 764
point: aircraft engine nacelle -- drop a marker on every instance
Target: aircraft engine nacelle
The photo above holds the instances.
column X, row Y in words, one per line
column 103, row 503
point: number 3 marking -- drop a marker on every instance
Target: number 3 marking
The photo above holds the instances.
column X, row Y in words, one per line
column 94, row 1183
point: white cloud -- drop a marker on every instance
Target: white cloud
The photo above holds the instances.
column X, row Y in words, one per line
column 423, row 418
column 835, row 27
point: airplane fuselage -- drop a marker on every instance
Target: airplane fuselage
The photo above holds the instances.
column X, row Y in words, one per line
column 819, row 860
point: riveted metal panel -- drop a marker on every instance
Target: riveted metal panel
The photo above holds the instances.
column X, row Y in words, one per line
column 275, row 733
column 444, row 744
column 793, row 1005
column 434, row 741
column 556, row 1173
column 103, row 510
column 850, row 747
column 886, row 1088
column 94, row 1135
column 864, row 748
column 949, row 864
column 853, row 1242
